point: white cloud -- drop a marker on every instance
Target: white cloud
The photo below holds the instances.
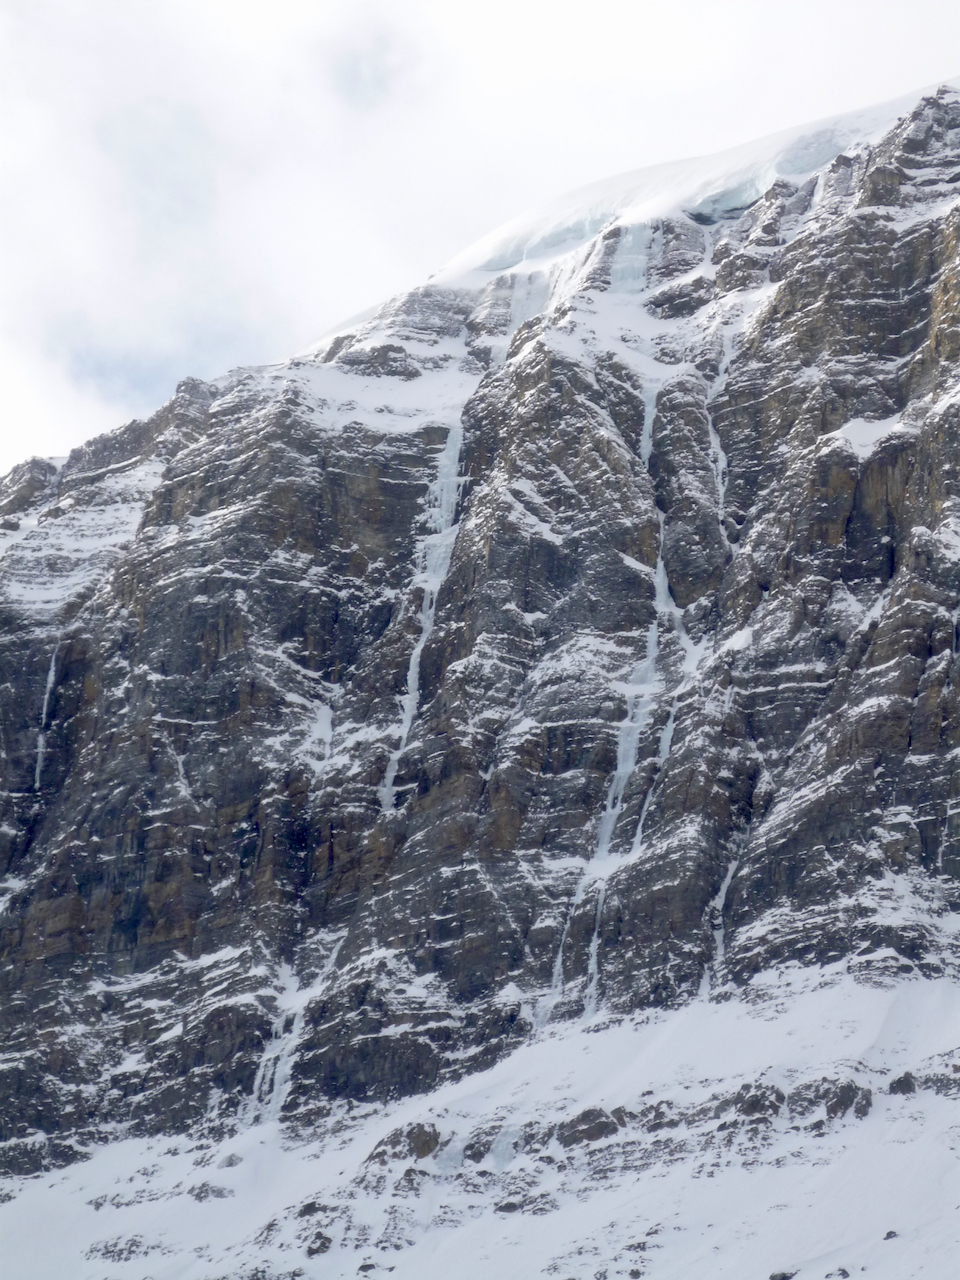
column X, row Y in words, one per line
column 193, row 186
column 369, row 63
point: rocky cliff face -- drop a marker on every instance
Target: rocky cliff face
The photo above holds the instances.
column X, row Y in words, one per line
column 576, row 638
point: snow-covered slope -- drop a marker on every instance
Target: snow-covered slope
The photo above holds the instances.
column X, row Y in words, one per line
column 709, row 188
column 730, row 1139
column 482, row 793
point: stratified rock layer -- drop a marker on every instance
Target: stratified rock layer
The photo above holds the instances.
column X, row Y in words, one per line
column 579, row 635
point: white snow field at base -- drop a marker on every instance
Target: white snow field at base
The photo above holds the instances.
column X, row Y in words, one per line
column 876, row 1194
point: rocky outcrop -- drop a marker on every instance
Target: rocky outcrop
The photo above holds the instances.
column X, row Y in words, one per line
column 572, row 638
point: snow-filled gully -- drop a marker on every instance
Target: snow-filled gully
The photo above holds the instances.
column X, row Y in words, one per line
column 431, row 566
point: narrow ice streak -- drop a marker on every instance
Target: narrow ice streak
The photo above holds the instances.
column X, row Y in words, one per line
column 663, row 751
column 641, row 700
column 548, row 1003
column 641, row 692
column 636, row 848
column 715, row 918
column 640, row 706
column 272, row 1082
column 646, row 434
column 666, row 607
column 718, row 458
column 593, row 957
column 432, row 564
column 42, row 738
column 639, row 710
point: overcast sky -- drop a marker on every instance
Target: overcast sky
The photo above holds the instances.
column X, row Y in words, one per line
column 189, row 185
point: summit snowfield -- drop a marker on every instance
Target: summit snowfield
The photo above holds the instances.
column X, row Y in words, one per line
column 483, row 794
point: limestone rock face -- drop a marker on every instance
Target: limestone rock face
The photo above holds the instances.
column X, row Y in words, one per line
column 577, row 636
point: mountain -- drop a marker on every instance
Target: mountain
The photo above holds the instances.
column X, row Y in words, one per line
column 482, row 795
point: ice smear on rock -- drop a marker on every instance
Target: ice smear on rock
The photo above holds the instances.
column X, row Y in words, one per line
column 42, row 735
column 432, row 564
